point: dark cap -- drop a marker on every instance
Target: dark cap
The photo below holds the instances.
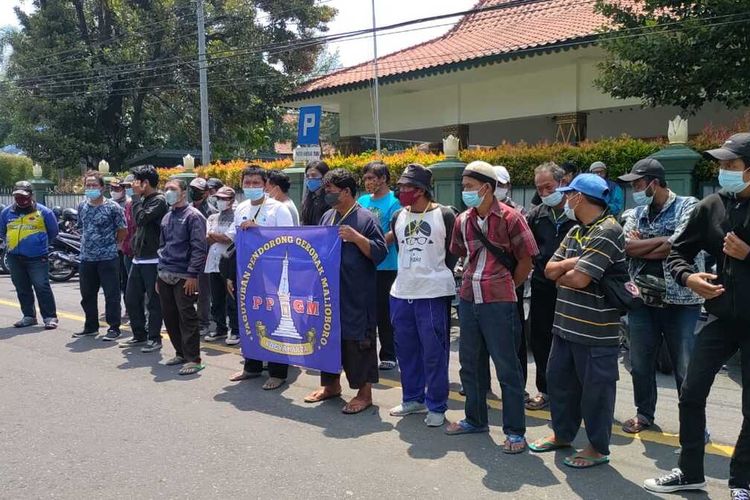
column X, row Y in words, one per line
column 214, row 183
column 418, row 176
column 199, row 183
column 647, row 167
column 737, row 146
column 23, row 188
column 225, row 192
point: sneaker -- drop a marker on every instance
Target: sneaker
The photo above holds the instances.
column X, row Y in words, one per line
column 151, row 346
column 674, row 481
column 50, row 323
column 131, row 342
column 214, row 336
column 740, row 494
column 232, row 340
column 387, row 365
column 85, row 333
column 408, row 408
column 112, row 335
column 205, row 330
column 434, row 419
column 25, row 321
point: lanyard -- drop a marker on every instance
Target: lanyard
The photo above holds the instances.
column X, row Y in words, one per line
column 334, row 223
column 259, row 209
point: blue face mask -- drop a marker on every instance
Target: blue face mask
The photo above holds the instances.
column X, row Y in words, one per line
column 129, row 192
column 313, row 185
column 569, row 212
column 171, row 197
column 732, row 181
column 552, row 200
column 471, row 198
column 641, row 198
column 253, row 194
column 93, row 194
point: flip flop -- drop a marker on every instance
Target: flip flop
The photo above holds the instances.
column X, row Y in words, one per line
column 514, row 439
column 243, row 376
column 318, row 399
column 273, row 384
column 592, row 462
column 546, row 446
column 464, row 427
column 635, row 425
column 175, row 361
column 347, row 409
column 191, row 368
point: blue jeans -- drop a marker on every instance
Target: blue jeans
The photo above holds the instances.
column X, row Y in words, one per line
column 648, row 325
column 32, row 272
column 491, row 331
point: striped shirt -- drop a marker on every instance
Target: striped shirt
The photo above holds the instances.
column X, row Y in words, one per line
column 584, row 316
column 485, row 279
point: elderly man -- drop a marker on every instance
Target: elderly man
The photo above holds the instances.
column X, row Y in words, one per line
column 363, row 249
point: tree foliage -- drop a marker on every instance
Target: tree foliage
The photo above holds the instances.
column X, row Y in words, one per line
column 677, row 53
column 98, row 79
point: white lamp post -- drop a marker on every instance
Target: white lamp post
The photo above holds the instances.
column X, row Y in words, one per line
column 188, row 162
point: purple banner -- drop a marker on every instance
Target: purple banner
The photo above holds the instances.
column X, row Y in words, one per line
column 288, row 293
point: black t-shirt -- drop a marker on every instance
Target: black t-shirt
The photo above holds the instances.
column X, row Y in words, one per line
column 549, row 229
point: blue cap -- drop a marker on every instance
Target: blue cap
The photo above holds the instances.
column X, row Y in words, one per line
column 590, row 185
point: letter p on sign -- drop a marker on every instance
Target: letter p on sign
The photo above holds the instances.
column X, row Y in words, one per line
column 308, row 131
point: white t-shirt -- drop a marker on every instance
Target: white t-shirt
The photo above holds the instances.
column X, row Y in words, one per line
column 422, row 271
column 217, row 223
column 271, row 213
column 289, row 204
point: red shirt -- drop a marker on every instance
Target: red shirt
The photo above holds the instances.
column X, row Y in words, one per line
column 485, row 279
column 130, row 223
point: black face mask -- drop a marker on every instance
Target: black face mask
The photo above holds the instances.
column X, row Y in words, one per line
column 332, row 199
column 196, row 194
column 22, row 201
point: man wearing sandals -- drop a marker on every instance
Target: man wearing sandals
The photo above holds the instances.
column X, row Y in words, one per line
column 421, row 296
column 362, row 250
column 549, row 225
column 182, row 257
column 582, row 371
column 720, row 225
column 499, row 249
column 671, row 311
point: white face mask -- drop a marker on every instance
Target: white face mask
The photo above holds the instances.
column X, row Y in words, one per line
column 222, row 204
column 118, row 195
column 501, row 193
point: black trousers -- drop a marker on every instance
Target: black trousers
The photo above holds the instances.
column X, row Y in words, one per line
column 275, row 370
column 181, row 320
column 359, row 361
column 123, row 273
column 716, row 343
column 385, row 281
column 104, row 274
column 141, row 295
column 222, row 305
column 541, row 318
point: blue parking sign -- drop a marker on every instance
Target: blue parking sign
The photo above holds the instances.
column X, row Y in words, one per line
column 308, row 130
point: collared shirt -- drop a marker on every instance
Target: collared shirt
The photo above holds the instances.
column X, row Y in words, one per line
column 99, row 225
column 218, row 223
column 670, row 222
column 485, row 278
column 583, row 315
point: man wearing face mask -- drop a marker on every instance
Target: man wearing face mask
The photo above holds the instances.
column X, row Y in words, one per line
column 222, row 306
column 719, row 225
column 381, row 201
column 27, row 228
column 214, row 185
column 582, row 371
column 258, row 209
column 101, row 222
column 672, row 310
column 199, row 198
column 182, row 258
column 119, row 196
column 498, row 248
column 278, row 189
column 616, row 194
column 314, row 204
column 549, row 225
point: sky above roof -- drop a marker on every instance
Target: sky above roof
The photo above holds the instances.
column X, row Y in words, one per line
column 354, row 15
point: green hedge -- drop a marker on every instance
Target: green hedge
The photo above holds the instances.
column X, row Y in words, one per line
column 14, row 168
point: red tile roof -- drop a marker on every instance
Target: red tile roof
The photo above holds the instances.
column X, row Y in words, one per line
column 522, row 27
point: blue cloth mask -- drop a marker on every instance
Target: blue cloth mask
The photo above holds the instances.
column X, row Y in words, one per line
column 553, row 199
column 253, row 194
column 641, row 198
column 171, row 197
column 93, row 194
column 471, row 198
column 732, row 181
column 313, row 185
column 129, row 192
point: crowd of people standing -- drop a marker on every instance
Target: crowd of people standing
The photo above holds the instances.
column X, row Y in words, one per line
column 168, row 254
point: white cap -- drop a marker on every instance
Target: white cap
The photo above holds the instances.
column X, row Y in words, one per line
column 502, row 174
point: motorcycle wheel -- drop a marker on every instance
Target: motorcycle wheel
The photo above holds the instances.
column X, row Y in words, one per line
column 4, row 264
column 60, row 272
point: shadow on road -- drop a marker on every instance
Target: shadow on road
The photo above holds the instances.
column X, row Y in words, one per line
column 10, row 332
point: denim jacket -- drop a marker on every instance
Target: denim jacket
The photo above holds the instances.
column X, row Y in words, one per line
column 670, row 222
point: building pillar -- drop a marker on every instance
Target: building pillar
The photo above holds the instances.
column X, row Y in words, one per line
column 570, row 128
column 350, row 145
column 461, row 131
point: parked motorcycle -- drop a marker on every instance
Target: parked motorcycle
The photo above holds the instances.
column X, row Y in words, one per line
column 64, row 257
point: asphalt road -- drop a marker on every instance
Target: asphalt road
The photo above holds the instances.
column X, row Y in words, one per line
column 84, row 419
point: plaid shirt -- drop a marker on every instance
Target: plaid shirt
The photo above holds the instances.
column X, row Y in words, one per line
column 485, row 279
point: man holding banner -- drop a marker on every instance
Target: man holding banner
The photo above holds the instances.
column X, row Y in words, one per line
column 362, row 250
column 259, row 210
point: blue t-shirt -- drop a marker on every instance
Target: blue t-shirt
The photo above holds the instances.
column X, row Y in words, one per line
column 383, row 210
column 99, row 225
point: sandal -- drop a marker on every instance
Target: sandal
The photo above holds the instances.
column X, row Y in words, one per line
column 538, row 402
column 636, row 424
column 590, row 461
column 243, row 375
column 546, row 444
column 464, row 427
column 511, row 441
column 177, row 360
column 320, row 395
column 191, row 368
column 350, row 409
column 273, row 384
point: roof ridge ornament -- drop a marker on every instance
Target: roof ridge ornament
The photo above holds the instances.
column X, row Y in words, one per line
column 678, row 130
column 450, row 146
